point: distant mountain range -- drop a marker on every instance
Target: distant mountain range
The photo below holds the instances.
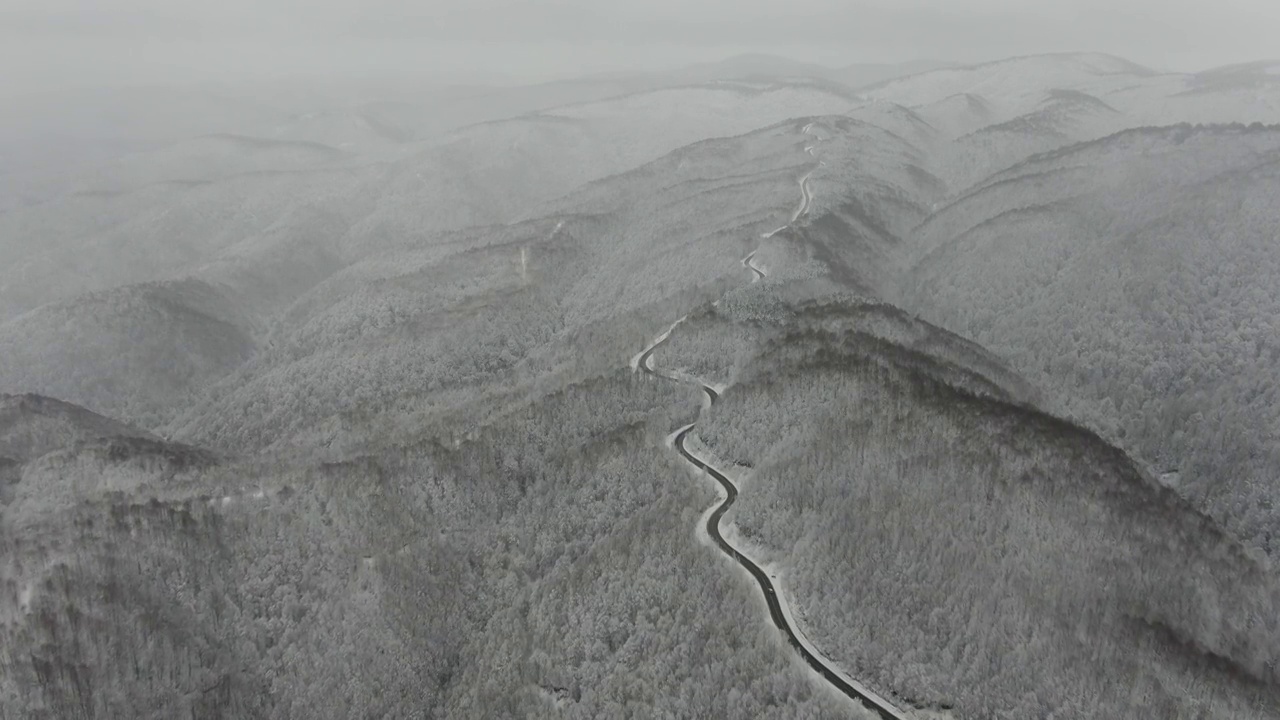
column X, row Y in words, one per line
column 332, row 409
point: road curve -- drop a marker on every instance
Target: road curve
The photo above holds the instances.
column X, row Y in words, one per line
column 865, row 697
column 644, row 362
column 804, row 197
column 748, row 264
column 862, row 695
column 875, row 704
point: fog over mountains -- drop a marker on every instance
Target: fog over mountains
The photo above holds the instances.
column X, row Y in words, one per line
column 339, row 400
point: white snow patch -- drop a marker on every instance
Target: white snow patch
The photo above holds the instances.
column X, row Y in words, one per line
column 557, row 697
column 24, row 598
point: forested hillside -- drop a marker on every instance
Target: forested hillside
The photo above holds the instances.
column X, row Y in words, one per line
column 170, row 210
column 1144, row 304
column 451, row 408
column 338, row 410
column 454, row 328
column 420, row 579
column 996, row 114
column 946, row 539
column 133, row 353
column 32, row 425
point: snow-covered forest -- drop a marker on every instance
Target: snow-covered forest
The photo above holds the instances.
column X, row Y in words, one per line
column 363, row 402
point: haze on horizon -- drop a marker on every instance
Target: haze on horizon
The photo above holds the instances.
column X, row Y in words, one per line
column 67, row 44
column 788, row 363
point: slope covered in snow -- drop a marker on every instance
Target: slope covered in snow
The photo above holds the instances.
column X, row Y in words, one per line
column 1000, row 113
column 1133, row 278
column 422, row 477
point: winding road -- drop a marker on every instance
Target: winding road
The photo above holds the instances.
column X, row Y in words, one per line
column 850, row 688
column 781, row 618
column 806, row 196
column 746, row 263
column 778, row 609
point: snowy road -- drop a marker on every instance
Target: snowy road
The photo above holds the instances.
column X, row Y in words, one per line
column 641, row 359
column 748, row 264
column 806, row 195
column 781, row 617
column 779, row 610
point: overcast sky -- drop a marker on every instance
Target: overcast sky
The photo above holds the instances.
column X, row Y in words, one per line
column 57, row 43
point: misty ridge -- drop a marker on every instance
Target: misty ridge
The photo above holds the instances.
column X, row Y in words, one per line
column 572, row 384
